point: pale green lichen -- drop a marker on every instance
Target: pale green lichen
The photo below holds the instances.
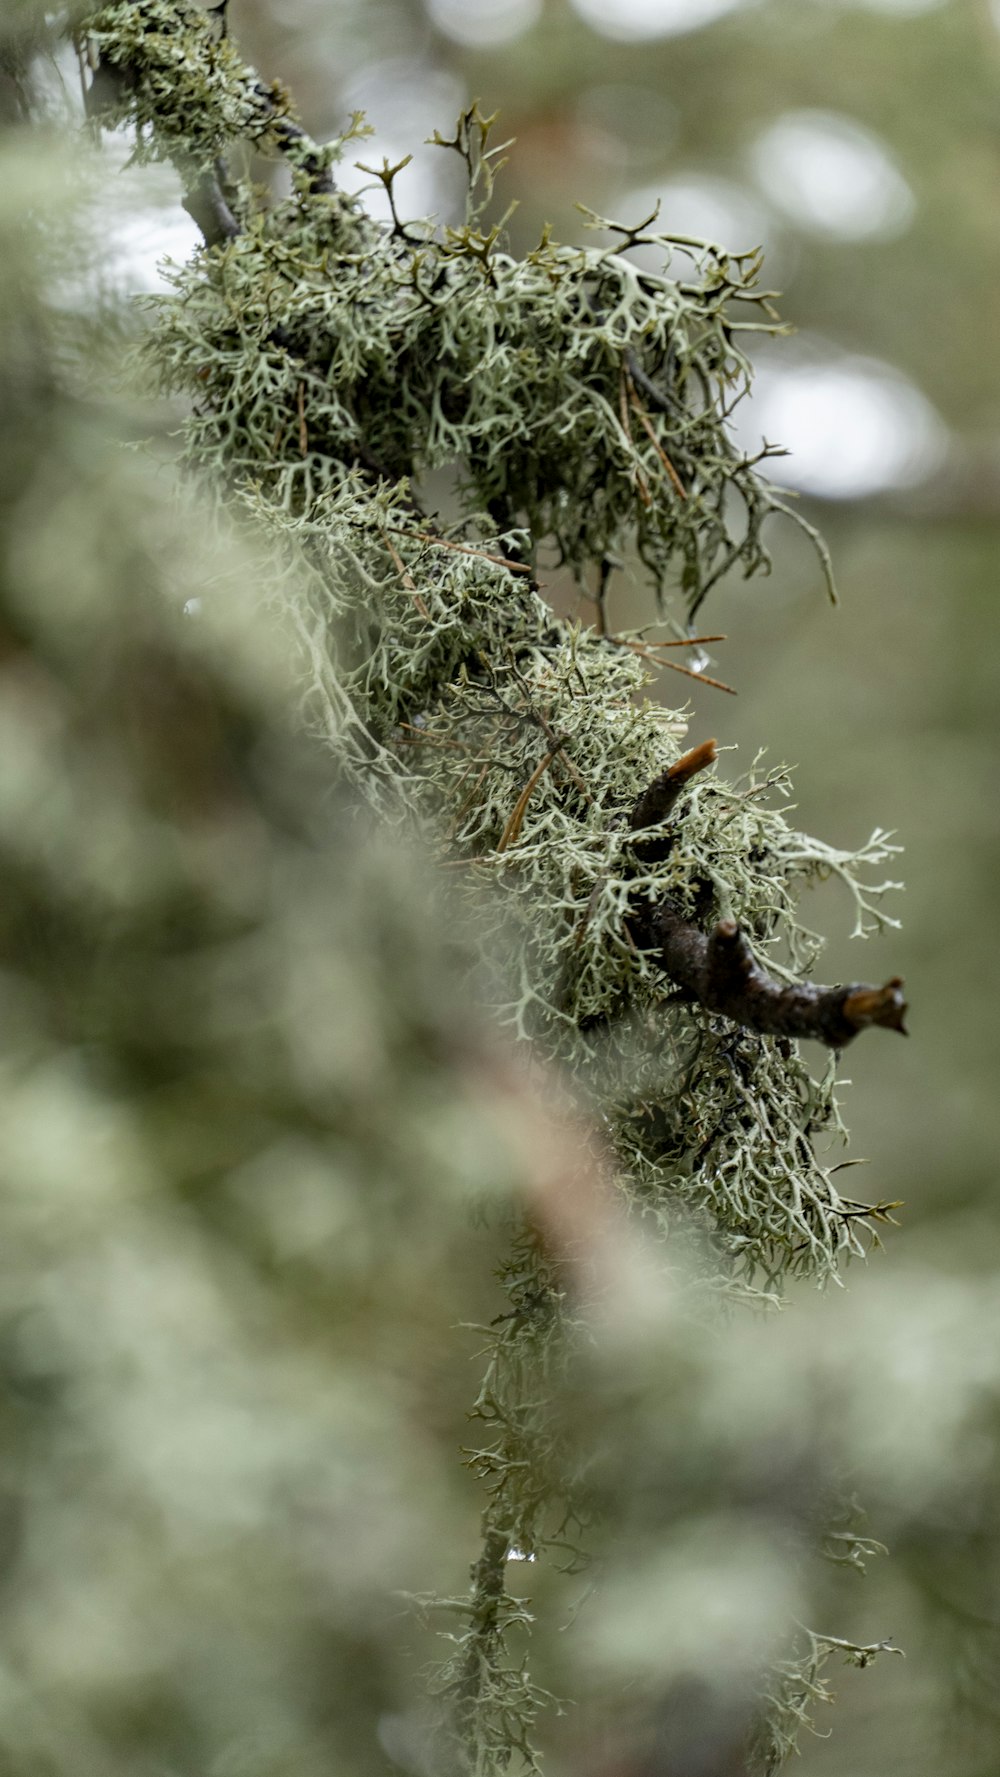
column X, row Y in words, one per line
column 798, row 1687
column 582, row 404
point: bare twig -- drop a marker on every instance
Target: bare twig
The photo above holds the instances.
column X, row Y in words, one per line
column 646, row 653
column 500, row 561
column 656, row 803
column 718, row 969
column 644, row 381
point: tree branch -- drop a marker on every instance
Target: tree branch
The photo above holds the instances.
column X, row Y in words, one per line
column 204, row 186
column 655, row 804
column 718, row 969
column 295, row 143
column 207, row 207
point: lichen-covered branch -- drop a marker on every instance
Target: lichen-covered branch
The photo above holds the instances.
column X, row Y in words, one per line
column 583, row 401
column 329, row 361
column 718, row 969
column 144, row 50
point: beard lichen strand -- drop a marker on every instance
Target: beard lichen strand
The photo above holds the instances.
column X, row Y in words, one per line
column 492, row 1700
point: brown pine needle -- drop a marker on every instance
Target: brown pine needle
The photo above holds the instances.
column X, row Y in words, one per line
column 647, row 426
column 688, row 642
column 550, row 735
column 499, row 561
column 702, row 678
column 468, row 802
column 512, row 830
column 422, row 736
column 409, row 582
column 675, row 667
column 624, row 384
column 303, row 433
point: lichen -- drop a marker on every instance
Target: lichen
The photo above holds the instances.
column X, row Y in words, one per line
column 583, row 405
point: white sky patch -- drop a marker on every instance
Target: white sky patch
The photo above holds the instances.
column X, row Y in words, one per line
column 134, row 219
column 140, row 242
column 405, row 100
column 484, row 24
column 832, row 176
column 853, row 426
column 632, row 20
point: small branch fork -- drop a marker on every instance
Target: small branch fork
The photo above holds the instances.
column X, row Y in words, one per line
column 718, row 969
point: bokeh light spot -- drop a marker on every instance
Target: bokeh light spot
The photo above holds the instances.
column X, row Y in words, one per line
column 484, row 24
column 632, row 19
column 645, row 122
column 904, row 8
column 413, row 98
column 832, row 176
column 852, row 426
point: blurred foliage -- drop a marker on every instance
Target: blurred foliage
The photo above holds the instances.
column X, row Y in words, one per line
column 260, row 1157
column 246, row 1127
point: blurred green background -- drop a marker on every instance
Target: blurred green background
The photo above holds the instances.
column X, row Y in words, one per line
column 860, row 144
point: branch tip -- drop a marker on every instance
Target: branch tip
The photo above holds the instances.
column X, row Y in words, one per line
column 884, row 1006
column 720, row 971
column 699, row 757
column 655, row 803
